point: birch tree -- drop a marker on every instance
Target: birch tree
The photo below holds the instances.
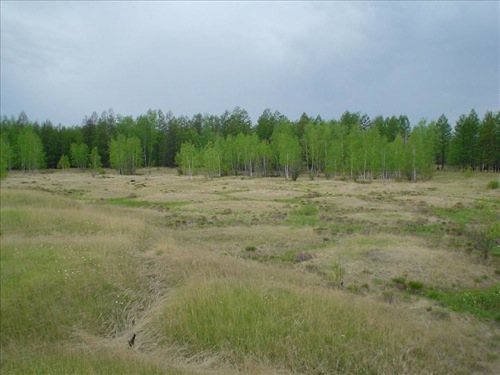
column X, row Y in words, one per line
column 30, row 150
column 125, row 154
column 187, row 159
column 79, row 155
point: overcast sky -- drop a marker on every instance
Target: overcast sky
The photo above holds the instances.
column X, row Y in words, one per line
column 62, row 61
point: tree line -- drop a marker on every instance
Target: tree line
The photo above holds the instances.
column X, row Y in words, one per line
column 354, row 146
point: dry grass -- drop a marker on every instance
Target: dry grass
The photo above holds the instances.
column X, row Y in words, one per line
column 206, row 272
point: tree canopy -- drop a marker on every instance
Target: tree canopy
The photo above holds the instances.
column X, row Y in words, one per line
column 354, row 146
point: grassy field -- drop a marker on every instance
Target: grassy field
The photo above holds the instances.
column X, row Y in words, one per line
column 253, row 276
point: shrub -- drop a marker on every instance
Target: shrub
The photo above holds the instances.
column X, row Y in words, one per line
column 415, row 286
column 399, row 283
column 468, row 173
column 399, row 280
column 493, row 184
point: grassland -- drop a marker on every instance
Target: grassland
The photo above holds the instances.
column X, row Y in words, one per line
column 253, row 276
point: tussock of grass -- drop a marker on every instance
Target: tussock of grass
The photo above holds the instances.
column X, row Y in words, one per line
column 298, row 327
column 493, row 184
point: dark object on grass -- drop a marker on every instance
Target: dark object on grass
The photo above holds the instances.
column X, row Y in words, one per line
column 302, row 257
column 131, row 341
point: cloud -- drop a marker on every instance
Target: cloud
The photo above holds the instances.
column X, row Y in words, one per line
column 64, row 60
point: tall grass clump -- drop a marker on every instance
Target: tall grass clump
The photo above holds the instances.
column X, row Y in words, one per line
column 302, row 330
column 493, row 184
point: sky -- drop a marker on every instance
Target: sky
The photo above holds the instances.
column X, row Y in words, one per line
column 61, row 61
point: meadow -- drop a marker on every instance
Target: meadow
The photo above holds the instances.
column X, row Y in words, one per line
column 248, row 275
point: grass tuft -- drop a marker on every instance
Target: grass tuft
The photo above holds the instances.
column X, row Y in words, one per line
column 305, row 331
column 493, row 184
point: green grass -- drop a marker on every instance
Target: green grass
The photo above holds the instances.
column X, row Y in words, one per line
column 61, row 359
column 60, row 275
column 49, row 290
column 483, row 303
column 493, row 184
column 78, row 277
column 344, row 228
column 304, row 215
column 136, row 203
column 481, row 213
column 306, row 331
column 416, row 286
column 423, row 229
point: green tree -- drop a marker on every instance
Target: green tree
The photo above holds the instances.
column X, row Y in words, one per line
column 146, row 130
column 380, row 124
column 350, row 119
column 465, row 141
column 396, row 157
column 264, row 154
column 355, row 151
column 79, row 155
column 404, row 127
column 311, row 142
column 338, row 150
column 489, row 144
column 443, row 137
column 393, row 128
column 95, row 163
column 288, row 151
column 373, row 144
column 125, row 154
column 236, row 122
column 420, row 152
column 384, row 156
column 174, row 137
column 266, row 123
column 5, row 151
column 63, row 163
column 6, row 156
column 51, row 141
column 211, row 161
column 249, row 156
column 30, row 150
column 187, row 159
column 104, row 131
column 89, row 129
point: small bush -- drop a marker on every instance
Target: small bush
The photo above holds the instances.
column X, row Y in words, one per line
column 337, row 273
column 354, row 288
column 399, row 283
column 468, row 173
column 399, row 280
column 493, row 184
column 250, row 248
column 415, row 285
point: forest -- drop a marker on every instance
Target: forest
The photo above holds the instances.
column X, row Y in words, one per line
column 353, row 147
